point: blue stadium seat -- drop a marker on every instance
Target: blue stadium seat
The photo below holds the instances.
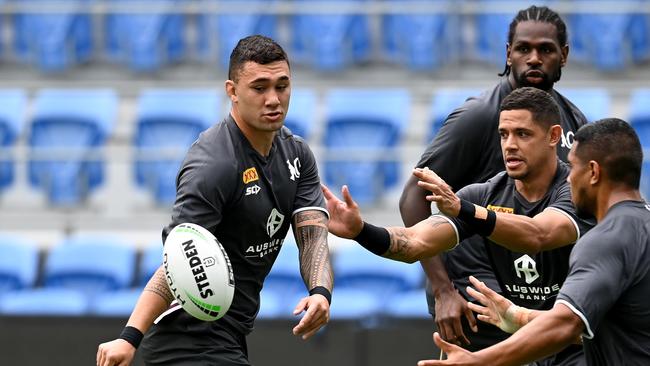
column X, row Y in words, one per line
column 302, row 111
column 54, row 41
column 152, row 257
column 368, row 125
column 227, row 28
column 595, row 103
column 330, row 42
column 410, row 304
column 18, row 263
column 13, row 103
column 44, row 302
column 272, row 305
column 146, row 41
column 357, row 268
column 640, row 120
column 492, row 34
column 421, row 41
column 445, row 101
column 90, row 264
column 116, row 303
column 354, row 304
column 69, row 128
column 285, row 277
column 168, row 122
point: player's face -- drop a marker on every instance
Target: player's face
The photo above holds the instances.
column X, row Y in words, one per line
column 536, row 55
column 579, row 181
column 524, row 144
column 260, row 96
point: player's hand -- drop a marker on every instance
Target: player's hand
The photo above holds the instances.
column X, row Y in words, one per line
column 450, row 307
column 441, row 193
column 455, row 355
column 345, row 217
column 317, row 314
column 496, row 309
column 117, row 352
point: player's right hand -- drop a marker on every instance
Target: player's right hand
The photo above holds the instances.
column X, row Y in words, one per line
column 450, row 307
column 345, row 217
column 117, row 352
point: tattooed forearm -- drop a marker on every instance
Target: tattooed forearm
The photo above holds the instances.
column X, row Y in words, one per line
column 415, row 243
column 310, row 230
column 158, row 285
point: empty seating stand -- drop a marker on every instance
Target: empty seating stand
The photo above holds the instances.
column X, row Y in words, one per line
column 13, row 103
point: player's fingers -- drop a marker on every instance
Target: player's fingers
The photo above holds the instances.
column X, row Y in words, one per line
column 327, row 193
column 98, row 357
column 302, row 304
column 487, row 319
column 458, row 331
column 478, row 308
column 477, row 295
column 446, row 347
column 345, row 191
column 447, row 331
column 469, row 315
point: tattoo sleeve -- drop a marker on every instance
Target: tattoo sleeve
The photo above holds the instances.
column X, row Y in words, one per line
column 408, row 247
column 158, row 285
column 310, row 230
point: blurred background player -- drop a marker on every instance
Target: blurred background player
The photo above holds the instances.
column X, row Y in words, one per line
column 466, row 150
column 523, row 215
column 250, row 147
column 604, row 297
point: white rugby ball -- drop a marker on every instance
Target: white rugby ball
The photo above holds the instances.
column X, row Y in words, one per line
column 198, row 271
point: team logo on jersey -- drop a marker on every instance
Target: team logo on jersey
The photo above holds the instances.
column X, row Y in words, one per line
column 567, row 139
column 274, row 222
column 294, row 169
column 525, row 267
column 501, row 209
column 252, row 190
column 647, row 207
column 250, row 175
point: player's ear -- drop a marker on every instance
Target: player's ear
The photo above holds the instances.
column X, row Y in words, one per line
column 230, row 90
column 595, row 172
column 508, row 49
column 565, row 55
column 555, row 134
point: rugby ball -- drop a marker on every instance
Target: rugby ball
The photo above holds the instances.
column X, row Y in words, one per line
column 198, row 271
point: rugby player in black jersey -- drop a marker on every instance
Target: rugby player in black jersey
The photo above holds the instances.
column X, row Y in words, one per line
column 466, row 150
column 246, row 180
column 523, row 217
column 605, row 296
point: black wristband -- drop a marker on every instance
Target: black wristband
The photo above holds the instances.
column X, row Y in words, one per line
column 132, row 335
column 375, row 239
column 322, row 291
column 482, row 226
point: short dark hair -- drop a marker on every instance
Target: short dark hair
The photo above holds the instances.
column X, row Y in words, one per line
column 538, row 102
column 613, row 144
column 259, row 49
column 537, row 14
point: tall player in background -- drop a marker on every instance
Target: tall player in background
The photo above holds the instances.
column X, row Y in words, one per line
column 605, row 296
column 250, row 148
column 466, row 150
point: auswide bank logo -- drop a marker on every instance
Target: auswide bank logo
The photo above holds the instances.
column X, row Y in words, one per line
column 526, row 268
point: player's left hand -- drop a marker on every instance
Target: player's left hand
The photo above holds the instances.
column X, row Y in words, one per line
column 442, row 194
column 455, row 355
column 317, row 314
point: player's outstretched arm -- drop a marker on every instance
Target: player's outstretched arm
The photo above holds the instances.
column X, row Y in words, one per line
column 425, row 239
column 310, row 230
column 552, row 228
column 155, row 299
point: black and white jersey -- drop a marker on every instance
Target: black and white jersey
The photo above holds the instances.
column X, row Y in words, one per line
column 608, row 286
column 247, row 201
column 529, row 280
column 467, row 150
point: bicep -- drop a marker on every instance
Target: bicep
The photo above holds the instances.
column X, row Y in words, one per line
column 560, row 228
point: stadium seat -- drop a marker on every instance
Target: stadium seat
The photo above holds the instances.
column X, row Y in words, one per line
column 227, row 28
column 146, row 40
column 410, row 304
column 116, row 303
column 54, row 41
column 18, row 263
column 421, row 41
column 368, row 125
column 168, row 122
column 150, row 260
column 445, row 101
column 492, row 33
column 44, row 302
column 595, row 103
column 68, row 131
column 13, row 103
column 330, row 41
column 640, row 120
column 353, row 304
column 302, row 111
column 285, row 277
column 90, row 264
column 271, row 305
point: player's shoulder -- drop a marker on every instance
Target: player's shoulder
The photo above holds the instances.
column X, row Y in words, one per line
column 569, row 107
column 215, row 149
column 290, row 141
